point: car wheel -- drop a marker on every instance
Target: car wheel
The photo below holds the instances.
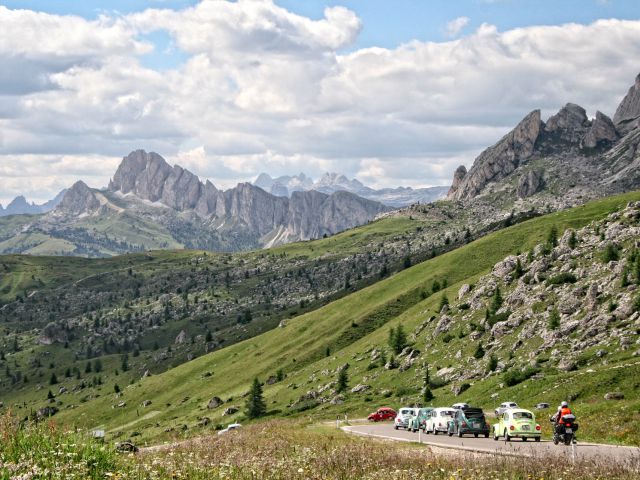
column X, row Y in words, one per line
column 435, row 432
column 537, row 439
column 507, row 437
column 524, row 439
column 567, row 441
column 396, row 427
column 450, row 433
column 475, row 435
column 555, row 440
column 486, row 435
column 459, row 433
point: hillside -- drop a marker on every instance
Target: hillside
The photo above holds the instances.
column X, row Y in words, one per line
column 354, row 330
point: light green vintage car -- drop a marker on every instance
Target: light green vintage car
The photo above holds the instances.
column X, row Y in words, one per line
column 417, row 422
column 517, row 423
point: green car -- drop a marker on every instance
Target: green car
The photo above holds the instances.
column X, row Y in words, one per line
column 417, row 422
column 517, row 423
column 469, row 420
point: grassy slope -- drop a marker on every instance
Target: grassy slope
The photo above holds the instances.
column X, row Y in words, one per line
column 180, row 395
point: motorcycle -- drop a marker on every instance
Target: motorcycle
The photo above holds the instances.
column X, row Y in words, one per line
column 565, row 432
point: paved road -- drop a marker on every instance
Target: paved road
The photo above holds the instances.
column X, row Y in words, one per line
column 488, row 445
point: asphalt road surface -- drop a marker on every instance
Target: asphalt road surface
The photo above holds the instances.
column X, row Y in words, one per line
column 489, row 445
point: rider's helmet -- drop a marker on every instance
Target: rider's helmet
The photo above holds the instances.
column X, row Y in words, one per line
column 564, row 404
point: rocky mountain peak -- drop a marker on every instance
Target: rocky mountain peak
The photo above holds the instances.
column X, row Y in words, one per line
column 78, row 199
column 602, row 130
column 627, row 114
column 458, row 177
column 501, row 159
column 570, row 123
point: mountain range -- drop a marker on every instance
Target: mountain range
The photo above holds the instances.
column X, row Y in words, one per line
column 329, row 183
column 152, row 205
column 20, row 206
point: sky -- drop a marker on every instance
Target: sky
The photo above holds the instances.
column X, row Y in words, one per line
column 390, row 92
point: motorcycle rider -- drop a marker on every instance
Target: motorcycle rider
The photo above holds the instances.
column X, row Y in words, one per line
column 563, row 410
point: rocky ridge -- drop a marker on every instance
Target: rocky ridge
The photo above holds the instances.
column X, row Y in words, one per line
column 574, row 157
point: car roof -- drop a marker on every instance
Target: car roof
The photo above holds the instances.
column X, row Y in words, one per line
column 518, row 410
column 439, row 409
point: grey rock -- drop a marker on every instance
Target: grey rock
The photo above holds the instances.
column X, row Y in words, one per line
column 614, row 396
column 230, row 411
column 360, row 388
column 498, row 161
column 458, row 177
column 570, row 123
column 464, row 289
column 628, row 111
column 530, row 184
column 181, row 338
column 145, row 403
column 337, row 400
column 215, row 402
column 78, row 200
column 46, row 412
column 601, row 131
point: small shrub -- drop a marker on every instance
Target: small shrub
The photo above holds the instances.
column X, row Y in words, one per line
column 447, row 338
column 562, row 278
column 492, row 364
column 514, row 377
column 610, row 254
column 479, row 353
column 554, row 319
column 464, row 387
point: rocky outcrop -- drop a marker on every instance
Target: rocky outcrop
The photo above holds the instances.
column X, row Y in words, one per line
column 602, row 131
column 628, row 112
column 498, row 161
column 78, row 200
column 458, row 177
column 530, row 184
column 569, row 124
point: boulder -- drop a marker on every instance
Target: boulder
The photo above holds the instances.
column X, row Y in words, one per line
column 230, row 411
column 46, row 412
column 146, row 403
column 215, row 402
column 181, row 338
column 360, row 388
column 530, row 184
column 464, row 289
column 614, row 396
column 337, row 400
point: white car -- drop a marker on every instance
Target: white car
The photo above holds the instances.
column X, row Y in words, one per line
column 230, row 428
column 403, row 416
column 460, row 406
column 504, row 406
column 438, row 420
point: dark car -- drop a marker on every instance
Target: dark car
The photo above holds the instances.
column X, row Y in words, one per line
column 469, row 420
column 383, row 413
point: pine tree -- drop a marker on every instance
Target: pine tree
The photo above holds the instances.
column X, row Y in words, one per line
column 208, row 337
column 518, row 271
column 552, row 238
column 554, row 319
column 443, row 301
column 427, row 395
column 116, row 388
column 398, row 340
column 125, row 363
column 53, row 380
column 496, row 301
column 256, row 406
column 97, row 365
column 493, row 363
column 50, row 395
column 479, row 353
column 87, row 368
column 343, row 380
column 573, row 240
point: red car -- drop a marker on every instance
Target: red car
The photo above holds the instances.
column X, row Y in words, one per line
column 383, row 413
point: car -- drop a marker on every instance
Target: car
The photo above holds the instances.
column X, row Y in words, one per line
column 542, row 406
column 517, row 423
column 438, row 420
column 383, row 413
column 404, row 415
column 230, row 428
column 458, row 406
column 418, row 421
column 505, row 406
column 469, row 420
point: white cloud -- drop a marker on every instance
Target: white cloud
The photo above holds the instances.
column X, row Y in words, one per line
column 455, row 26
column 264, row 89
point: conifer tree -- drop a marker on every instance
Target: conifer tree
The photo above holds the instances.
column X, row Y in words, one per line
column 256, row 406
column 343, row 380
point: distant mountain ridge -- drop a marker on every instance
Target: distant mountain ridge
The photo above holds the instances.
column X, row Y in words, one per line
column 152, row 205
column 20, row 206
column 329, row 183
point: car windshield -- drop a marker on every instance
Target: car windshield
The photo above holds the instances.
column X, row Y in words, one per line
column 473, row 413
column 406, row 411
column 513, row 405
column 522, row 416
column 447, row 413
